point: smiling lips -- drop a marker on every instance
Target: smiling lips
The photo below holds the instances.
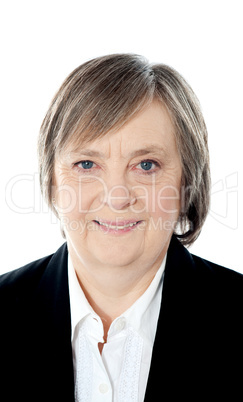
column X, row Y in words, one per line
column 121, row 226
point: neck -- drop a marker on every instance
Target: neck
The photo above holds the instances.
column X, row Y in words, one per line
column 112, row 290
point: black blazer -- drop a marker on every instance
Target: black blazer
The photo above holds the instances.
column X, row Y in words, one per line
column 198, row 350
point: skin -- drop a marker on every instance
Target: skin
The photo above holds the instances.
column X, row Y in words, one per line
column 131, row 175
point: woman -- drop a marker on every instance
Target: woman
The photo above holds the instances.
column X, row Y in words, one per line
column 122, row 311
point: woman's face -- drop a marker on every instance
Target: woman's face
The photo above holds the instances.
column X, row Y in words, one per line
column 118, row 197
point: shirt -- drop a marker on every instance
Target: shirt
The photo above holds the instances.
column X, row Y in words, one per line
column 120, row 373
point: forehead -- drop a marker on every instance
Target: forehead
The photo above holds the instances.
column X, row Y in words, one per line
column 150, row 129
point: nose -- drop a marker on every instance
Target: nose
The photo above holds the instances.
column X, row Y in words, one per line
column 118, row 197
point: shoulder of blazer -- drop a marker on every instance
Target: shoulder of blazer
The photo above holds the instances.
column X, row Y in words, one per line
column 198, row 344
column 25, row 280
column 185, row 267
column 35, row 327
column 200, row 296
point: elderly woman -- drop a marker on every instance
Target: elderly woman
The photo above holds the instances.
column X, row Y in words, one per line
column 122, row 311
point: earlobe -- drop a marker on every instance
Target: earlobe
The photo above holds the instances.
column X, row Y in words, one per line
column 54, row 203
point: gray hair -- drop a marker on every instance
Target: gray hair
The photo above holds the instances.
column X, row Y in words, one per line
column 103, row 94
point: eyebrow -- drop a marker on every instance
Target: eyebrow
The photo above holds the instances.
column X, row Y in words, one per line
column 139, row 152
column 148, row 150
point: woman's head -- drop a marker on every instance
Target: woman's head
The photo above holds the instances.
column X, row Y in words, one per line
column 101, row 96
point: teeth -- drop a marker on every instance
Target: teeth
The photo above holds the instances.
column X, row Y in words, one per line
column 117, row 227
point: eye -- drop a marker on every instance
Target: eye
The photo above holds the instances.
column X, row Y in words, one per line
column 148, row 166
column 85, row 165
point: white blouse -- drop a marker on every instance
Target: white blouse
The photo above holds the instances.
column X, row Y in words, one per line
column 120, row 374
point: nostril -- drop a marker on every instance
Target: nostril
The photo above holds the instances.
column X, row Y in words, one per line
column 118, row 197
column 132, row 202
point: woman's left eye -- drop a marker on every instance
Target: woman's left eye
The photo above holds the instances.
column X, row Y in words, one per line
column 148, row 165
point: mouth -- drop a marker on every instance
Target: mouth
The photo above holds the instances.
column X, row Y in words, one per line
column 117, row 227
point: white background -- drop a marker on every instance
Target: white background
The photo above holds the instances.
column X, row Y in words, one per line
column 43, row 41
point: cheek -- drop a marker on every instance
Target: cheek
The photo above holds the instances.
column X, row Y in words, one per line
column 169, row 200
column 165, row 203
column 75, row 200
column 66, row 199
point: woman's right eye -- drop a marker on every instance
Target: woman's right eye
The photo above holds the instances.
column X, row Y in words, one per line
column 86, row 165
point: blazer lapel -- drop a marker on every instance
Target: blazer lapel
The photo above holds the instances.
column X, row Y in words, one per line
column 174, row 340
column 53, row 326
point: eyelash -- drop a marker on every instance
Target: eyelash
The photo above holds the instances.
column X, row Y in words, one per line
column 145, row 172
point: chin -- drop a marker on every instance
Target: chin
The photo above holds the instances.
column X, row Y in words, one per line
column 117, row 256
